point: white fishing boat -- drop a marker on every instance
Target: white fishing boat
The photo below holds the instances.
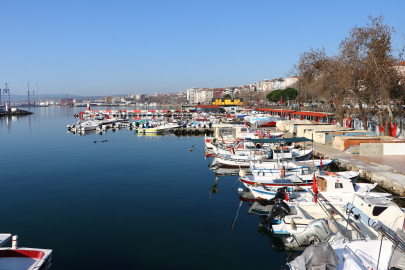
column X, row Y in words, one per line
column 334, row 188
column 352, row 175
column 318, row 162
column 379, row 243
column 167, row 126
column 88, row 125
column 228, row 134
column 242, row 160
column 21, row 258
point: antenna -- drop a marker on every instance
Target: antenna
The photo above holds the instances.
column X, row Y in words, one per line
column 28, row 97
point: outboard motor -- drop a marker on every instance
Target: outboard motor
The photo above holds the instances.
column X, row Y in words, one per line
column 279, row 210
column 280, row 195
column 316, row 232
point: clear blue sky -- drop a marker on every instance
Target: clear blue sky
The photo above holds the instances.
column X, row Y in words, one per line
column 131, row 47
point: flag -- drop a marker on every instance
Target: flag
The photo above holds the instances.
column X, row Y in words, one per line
column 314, row 188
column 286, row 197
column 281, row 102
column 320, row 158
column 335, row 101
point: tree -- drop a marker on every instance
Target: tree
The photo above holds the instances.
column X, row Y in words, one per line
column 227, row 96
column 373, row 45
column 286, row 94
column 362, row 71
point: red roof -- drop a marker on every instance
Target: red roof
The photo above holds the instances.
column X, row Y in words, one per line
column 207, row 106
column 400, row 64
column 274, row 110
column 313, row 114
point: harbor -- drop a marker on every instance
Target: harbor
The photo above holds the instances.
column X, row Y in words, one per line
column 183, row 135
column 213, row 188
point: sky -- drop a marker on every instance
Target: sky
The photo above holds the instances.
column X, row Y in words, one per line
column 132, row 47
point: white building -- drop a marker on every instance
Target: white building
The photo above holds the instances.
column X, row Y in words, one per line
column 289, row 82
column 278, row 84
column 257, row 86
column 266, row 85
column 190, row 94
column 197, row 97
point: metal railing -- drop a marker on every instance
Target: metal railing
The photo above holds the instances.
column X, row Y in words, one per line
column 362, row 264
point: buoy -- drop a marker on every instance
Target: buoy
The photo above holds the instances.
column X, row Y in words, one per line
column 94, row 141
column 240, row 190
column 292, row 224
column 242, row 173
column 190, row 150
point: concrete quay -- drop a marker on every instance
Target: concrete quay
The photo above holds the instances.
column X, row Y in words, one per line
column 387, row 171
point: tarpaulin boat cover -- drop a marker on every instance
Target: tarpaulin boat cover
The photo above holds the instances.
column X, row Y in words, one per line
column 320, row 256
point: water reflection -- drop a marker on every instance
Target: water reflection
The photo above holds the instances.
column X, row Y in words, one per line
column 6, row 121
column 256, row 208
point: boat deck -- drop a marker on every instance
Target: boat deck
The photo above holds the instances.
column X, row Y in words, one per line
column 18, row 263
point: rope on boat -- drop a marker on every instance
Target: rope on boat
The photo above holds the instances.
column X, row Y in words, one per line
column 237, row 213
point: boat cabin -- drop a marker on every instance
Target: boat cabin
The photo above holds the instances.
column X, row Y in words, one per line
column 233, row 132
column 334, row 183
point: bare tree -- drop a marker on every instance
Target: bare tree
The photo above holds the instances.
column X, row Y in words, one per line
column 373, row 43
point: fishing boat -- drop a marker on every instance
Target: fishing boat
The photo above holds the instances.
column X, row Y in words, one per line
column 150, row 130
column 228, row 134
column 269, row 124
column 242, row 160
column 167, row 126
column 370, row 241
column 22, row 258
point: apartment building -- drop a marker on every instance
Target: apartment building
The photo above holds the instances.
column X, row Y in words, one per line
column 278, row 84
column 266, row 85
column 289, row 82
column 190, row 94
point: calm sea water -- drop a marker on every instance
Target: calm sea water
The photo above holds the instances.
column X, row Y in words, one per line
column 133, row 202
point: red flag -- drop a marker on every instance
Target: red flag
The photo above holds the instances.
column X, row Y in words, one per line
column 286, row 197
column 281, row 101
column 320, row 158
column 314, row 188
